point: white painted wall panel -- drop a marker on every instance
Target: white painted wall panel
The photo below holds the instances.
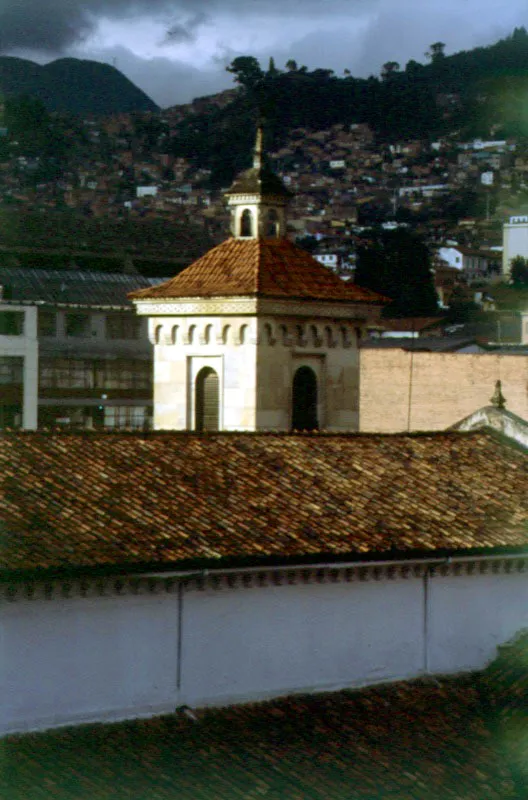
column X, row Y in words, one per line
column 259, row 642
column 470, row 615
column 68, row 660
column 78, row 659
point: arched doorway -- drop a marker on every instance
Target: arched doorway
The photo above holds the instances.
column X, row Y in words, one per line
column 207, row 400
column 304, row 400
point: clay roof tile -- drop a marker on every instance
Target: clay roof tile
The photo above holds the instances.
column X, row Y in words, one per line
column 273, row 268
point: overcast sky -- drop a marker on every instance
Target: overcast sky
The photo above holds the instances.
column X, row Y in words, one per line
column 178, row 49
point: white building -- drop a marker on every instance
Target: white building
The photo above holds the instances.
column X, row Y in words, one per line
column 72, row 351
column 514, row 241
column 18, row 366
column 256, row 334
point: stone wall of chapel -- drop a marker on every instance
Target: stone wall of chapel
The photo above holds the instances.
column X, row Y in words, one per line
column 401, row 390
column 183, row 346
column 329, row 349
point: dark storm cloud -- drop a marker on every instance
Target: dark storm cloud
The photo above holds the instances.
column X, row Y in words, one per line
column 55, row 25
column 185, row 31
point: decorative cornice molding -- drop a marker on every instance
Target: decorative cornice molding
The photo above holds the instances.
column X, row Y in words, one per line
column 192, row 306
column 269, row 307
column 141, row 585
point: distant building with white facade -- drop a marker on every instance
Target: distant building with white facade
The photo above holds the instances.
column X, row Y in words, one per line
column 515, row 241
column 73, row 354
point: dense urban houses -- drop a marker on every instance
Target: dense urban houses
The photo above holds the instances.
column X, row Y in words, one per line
column 146, row 571
column 73, row 353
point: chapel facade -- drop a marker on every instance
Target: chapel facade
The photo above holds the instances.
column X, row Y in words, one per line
column 256, row 334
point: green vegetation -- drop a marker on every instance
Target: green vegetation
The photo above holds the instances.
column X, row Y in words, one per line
column 519, row 271
column 398, row 265
column 482, row 92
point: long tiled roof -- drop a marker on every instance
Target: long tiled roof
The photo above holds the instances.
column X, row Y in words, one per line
column 90, row 500
column 69, row 286
column 421, row 740
column 261, row 267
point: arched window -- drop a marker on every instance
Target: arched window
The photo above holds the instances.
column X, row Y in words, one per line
column 272, row 227
column 246, row 223
column 242, row 334
column 226, row 333
column 174, row 334
column 190, row 334
column 158, row 333
column 304, row 400
column 208, row 333
column 207, row 400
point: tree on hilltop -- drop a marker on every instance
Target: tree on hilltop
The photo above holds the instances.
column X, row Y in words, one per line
column 436, row 52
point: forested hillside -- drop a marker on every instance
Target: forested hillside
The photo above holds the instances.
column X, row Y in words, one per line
column 482, row 92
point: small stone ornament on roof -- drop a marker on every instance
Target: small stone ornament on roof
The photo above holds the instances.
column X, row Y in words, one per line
column 498, row 399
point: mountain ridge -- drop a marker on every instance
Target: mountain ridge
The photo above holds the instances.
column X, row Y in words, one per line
column 72, row 85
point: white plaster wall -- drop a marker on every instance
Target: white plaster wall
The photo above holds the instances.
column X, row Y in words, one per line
column 261, row 642
column 469, row 616
column 515, row 243
column 72, row 660
column 78, row 659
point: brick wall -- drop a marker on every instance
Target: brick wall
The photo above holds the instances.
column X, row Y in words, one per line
column 401, row 390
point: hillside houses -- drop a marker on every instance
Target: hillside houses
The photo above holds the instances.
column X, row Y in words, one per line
column 341, row 177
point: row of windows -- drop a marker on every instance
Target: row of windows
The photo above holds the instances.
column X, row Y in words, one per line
column 297, row 335
column 72, row 373
column 79, row 418
column 79, row 325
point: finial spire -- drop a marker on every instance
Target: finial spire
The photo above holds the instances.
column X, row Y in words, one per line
column 257, row 153
column 498, row 398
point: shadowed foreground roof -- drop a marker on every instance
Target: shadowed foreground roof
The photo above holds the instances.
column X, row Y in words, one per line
column 89, row 500
column 422, row 740
column 263, row 268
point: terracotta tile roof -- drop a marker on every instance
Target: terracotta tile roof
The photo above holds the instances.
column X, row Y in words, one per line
column 94, row 499
column 419, row 740
column 260, row 267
